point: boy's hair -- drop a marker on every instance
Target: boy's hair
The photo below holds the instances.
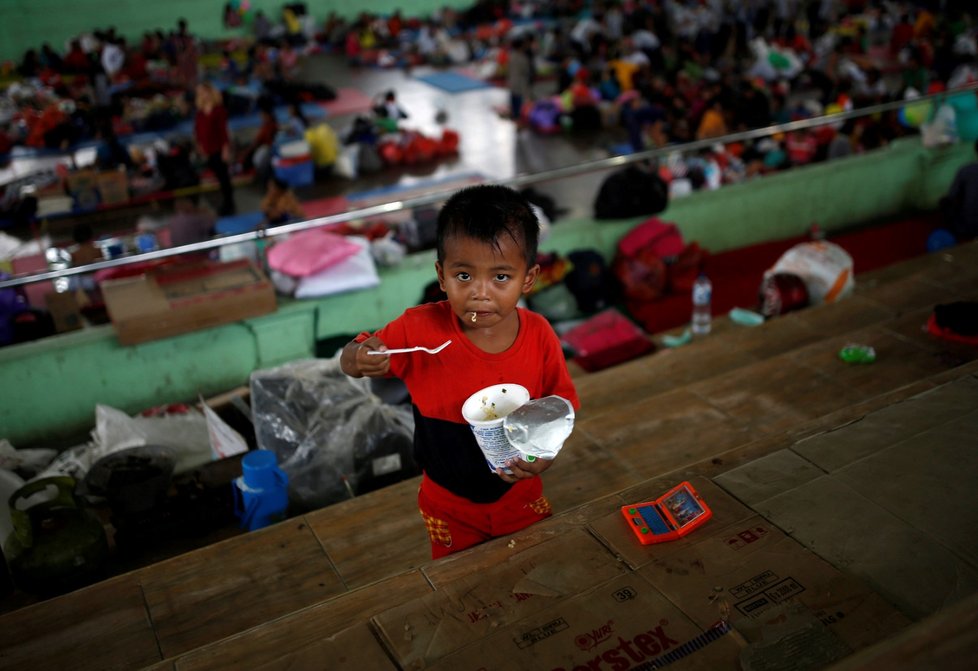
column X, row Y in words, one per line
column 485, row 212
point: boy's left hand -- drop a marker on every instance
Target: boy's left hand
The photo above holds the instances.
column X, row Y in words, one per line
column 522, row 469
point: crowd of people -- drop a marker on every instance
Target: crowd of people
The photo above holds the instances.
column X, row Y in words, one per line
column 654, row 72
column 665, row 71
column 671, row 72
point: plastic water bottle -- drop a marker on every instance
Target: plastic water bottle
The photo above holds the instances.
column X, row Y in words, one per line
column 702, row 293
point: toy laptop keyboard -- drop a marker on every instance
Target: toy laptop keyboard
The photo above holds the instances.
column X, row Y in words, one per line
column 669, row 517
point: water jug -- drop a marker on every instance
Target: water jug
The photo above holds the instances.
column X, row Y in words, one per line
column 261, row 494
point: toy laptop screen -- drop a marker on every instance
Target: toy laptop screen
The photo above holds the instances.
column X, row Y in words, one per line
column 681, row 506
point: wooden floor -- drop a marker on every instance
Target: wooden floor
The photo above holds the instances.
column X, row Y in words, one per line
column 812, row 467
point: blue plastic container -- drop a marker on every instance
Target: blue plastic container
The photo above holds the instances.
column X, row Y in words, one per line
column 261, row 494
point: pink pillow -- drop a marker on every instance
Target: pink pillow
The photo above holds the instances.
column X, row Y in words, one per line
column 308, row 252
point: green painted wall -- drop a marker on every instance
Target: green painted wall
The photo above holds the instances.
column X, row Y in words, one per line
column 26, row 24
column 50, row 387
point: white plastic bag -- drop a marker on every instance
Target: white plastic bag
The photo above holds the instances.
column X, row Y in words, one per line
column 824, row 267
column 346, row 162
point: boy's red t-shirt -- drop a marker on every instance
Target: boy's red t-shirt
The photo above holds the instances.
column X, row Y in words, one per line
column 440, row 383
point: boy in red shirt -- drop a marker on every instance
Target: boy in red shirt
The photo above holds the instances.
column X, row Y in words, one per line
column 487, row 244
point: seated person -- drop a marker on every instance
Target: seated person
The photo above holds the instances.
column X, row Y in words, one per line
column 257, row 155
column 190, row 222
column 295, row 125
column 86, row 251
column 388, row 107
column 960, row 205
column 280, row 204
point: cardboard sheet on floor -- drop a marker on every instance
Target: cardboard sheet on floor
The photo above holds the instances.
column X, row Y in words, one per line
column 768, row 476
column 474, row 606
column 904, row 564
column 752, row 569
column 621, row 624
column 928, row 481
column 880, row 429
column 614, row 532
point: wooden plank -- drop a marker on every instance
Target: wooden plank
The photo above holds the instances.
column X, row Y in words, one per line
column 102, row 626
column 165, row 665
column 603, row 390
column 222, row 589
column 941, row 268
column 774, row 395
column 899, row 361
column 851, row 313
column 911, row 292
column 652, row 435
column 386, row 522
column 728, row 348
column 584, row 471
column 265, row 643
column 913, row 326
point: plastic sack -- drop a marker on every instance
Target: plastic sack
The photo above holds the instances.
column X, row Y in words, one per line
column 346, row 162
column 185, row 434
column 824, row 267
column 324, row 145
column 309, row 252
column 28, row 461
column 332, row 436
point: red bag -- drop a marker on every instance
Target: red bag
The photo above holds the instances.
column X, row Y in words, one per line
column 606, row 339
column 686, row 268
column 640, row 262
column 392, row 153
column 448, row 145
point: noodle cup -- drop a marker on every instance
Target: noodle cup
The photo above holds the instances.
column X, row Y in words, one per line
column 484, row 411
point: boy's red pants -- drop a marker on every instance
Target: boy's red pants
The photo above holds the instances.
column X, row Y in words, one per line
column 455, row 523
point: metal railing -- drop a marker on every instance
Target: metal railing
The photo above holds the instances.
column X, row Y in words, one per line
column 518, row 181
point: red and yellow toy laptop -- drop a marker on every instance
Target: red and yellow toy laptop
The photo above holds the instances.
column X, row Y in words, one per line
column 673, row 515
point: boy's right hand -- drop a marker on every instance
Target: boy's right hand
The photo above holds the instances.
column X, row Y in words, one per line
column 372, row 365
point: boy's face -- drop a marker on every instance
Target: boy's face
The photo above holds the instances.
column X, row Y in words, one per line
column 484, row 280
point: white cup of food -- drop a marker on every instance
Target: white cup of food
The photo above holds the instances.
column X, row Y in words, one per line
column 485, row 411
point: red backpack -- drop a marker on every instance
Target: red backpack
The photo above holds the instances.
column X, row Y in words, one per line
column 640, row 261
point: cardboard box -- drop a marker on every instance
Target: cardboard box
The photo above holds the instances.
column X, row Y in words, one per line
column 476, row 605
column 65, row 309
column 753, row 570
column 614, row 532
column 621, row 624
column 81, row 180
column 82, row 185
column 113, row 187
column 183, row 298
